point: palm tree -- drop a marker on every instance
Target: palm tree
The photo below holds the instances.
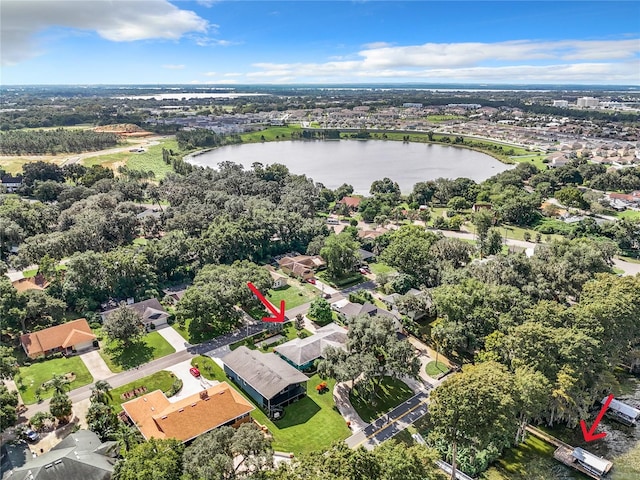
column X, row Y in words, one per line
column 59, row 384
column 101, row 392
column 127, row 437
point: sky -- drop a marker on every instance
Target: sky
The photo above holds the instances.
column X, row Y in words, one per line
column 322, row 42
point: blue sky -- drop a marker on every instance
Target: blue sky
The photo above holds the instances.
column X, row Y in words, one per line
column 240, row 42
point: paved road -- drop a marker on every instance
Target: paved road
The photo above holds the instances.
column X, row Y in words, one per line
column 206, row 348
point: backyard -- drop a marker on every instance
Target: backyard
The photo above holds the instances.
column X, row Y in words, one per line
column 150, row 347
column 30, row 378
column 391, row 393
column 293, row 296
column 312, row 423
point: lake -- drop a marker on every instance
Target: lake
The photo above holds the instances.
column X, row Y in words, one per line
column 360, row 162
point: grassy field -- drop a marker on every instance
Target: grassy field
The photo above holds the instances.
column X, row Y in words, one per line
column 35, row 375
column 14, row 165
column 378, row 268
column 209, row 369
column 312, row 423
column 288, row 331
column 391, row 393
column 151, row 159
column 434, row 369
column 161, row 380
column 150, row 347
column 292, row 295
column 628, row 214
column 443, row 118
column 270, row 134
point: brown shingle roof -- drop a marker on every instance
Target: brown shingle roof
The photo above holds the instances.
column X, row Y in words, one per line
column 65, row 335
column 352, row 202
column 188, row 418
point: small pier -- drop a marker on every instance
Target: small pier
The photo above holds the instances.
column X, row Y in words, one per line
column 591, row 465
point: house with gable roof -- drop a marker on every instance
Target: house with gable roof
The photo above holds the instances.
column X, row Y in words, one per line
column 69, row 337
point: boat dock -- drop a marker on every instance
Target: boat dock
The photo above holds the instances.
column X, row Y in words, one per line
column 585, row 462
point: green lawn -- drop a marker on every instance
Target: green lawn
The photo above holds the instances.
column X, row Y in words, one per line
column 288, row 331
column 150, row 347
column 378, row 268
column 35, row 375
column 533, row 460
column 391, row 393
column 162, row 380
column 443, row 118
column 270, row 134
column 209, row 369
column 312, row 423
column 191, row 336
column 340, row 283
column 433, row 369
column 151, row 159
column 30, row 273
column 292, row 295
column 628, row 214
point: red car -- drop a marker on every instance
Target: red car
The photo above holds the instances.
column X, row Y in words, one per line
column 194, row 371
column 312, row 281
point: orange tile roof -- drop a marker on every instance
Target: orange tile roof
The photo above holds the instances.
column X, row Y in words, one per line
column 352, row 202
column 65, row 335
column 25, row 284
column 188, row 418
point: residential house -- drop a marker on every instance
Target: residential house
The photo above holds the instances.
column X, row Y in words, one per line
column 81, row 455
column 32, row 283
column 156, row 417
column 391, row 302
column 371, row 234
column 302, row 266
column 480, row 206
column 302, row 352
column 365, row 256
column 174, row 294
column 152, row 314
column 348, row 310
column 279, row 280
column 73, row 336
column 10, row 183
column 265, row 377
column 351, row 202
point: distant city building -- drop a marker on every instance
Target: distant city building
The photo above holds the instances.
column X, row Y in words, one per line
column 587, row 102
column 561, row 103
column 412, row 105
column 467, row 106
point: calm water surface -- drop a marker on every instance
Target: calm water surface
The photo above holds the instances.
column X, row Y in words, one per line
column 359, row 162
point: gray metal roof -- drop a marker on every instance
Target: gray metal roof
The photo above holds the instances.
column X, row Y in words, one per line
column 303, row 350
column 599, row 464
column 623, row 408
column 74, row 458
column 265, row 372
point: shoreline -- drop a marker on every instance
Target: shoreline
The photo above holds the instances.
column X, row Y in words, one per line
column 422, row 137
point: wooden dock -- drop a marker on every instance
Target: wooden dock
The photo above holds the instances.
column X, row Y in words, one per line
column 565, row 453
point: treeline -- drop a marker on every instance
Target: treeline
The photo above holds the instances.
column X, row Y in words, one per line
column 41, row 142
column 203, row 138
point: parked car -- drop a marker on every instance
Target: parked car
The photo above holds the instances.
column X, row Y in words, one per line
column 312, row 281
column 31, row 435
column 327, row 295
column 194, row 371
column 363, row 271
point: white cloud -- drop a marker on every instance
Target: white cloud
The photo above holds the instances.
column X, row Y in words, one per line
column 210, row 74
column 173, row 67
column 600, row 61
column 233, row 74
column 376, row 45
column 117, row 21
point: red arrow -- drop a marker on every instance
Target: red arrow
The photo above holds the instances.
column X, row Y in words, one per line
column 589, row 436
column 279, row 315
